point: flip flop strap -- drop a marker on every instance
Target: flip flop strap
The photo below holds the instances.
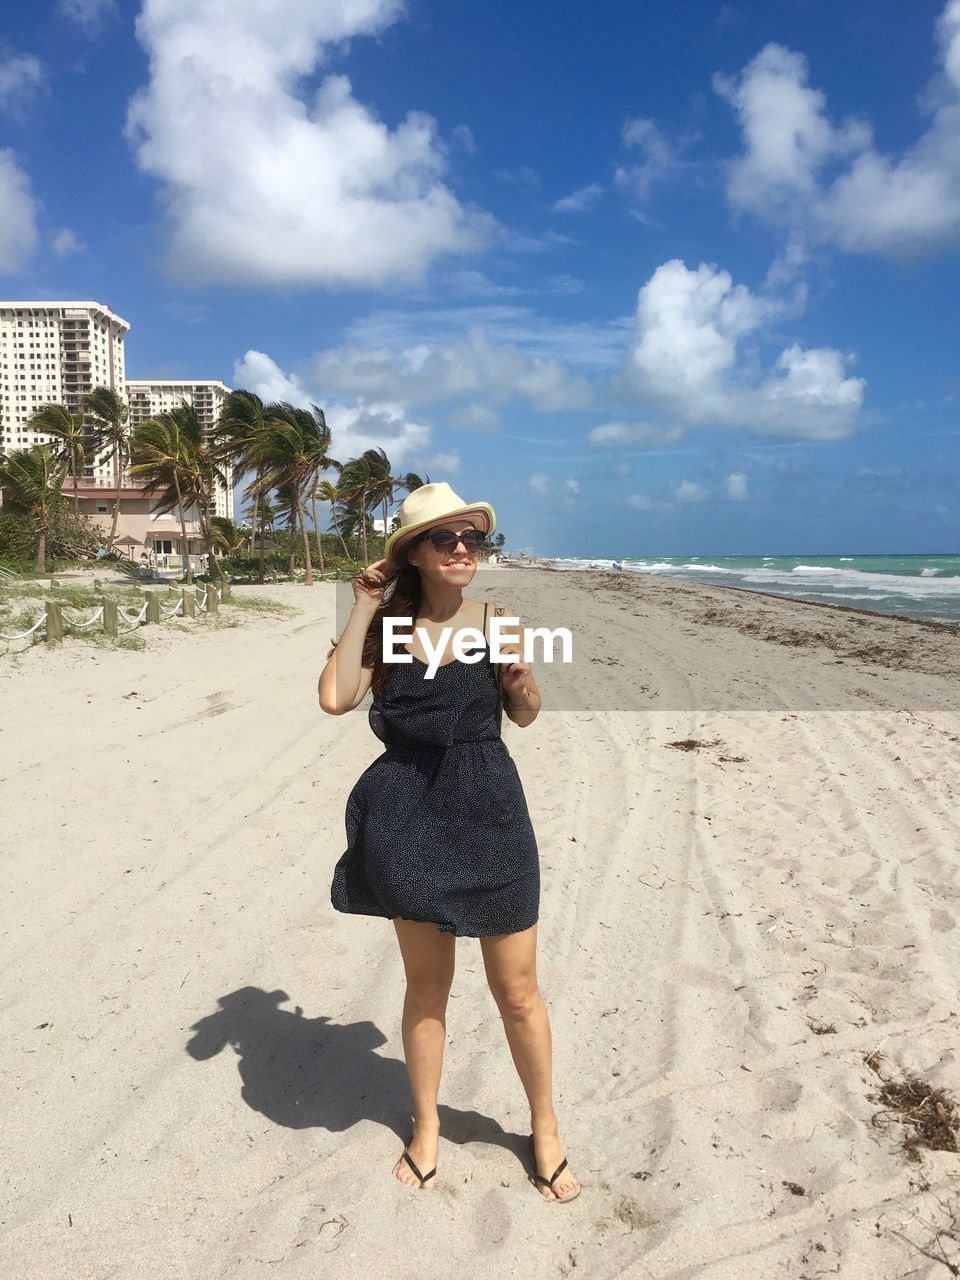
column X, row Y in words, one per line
column 548, row 1182
column 406, row 1156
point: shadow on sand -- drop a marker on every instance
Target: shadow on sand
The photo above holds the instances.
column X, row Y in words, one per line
column 314, row 1073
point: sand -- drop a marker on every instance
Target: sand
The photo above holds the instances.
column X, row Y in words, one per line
column 202, row 1059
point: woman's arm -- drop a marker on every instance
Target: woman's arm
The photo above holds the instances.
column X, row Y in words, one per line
column 344, row 683
column 521, row 696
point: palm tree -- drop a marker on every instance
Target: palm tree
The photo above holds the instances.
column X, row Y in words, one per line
column 287, row 511
column 328, row 492
column 226, row 534
column 382, row 483
column 72, row 433
column 322, row 462
column 111, row 416
column 356, row 480
column 200, row 487
column 164, row 458
column 286, row 453
column 33, row 480
column 269, row 511
column 243, row 420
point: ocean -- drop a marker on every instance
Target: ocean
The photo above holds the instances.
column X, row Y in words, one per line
column 916, row 586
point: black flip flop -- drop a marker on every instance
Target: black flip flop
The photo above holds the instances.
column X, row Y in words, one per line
column 422, row 1176
column 539, row 1180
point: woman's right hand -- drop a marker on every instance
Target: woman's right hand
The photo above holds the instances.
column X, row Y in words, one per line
column 369, row 583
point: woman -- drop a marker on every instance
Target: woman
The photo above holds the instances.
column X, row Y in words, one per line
column 439, row 837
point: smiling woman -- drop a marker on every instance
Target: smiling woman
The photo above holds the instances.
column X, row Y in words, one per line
column 439, row 837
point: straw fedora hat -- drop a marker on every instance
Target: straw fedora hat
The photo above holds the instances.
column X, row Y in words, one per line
column 432, row 504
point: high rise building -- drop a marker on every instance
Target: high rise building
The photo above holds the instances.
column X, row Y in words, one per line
column 147, row 399
column 57, row 352
column 53, row 353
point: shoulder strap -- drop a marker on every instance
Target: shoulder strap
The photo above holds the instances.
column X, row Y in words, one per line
column 484, row 619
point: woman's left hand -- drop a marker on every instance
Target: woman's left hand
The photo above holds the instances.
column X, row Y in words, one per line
column 515, row 676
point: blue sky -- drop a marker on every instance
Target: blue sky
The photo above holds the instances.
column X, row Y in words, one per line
column 652, row 279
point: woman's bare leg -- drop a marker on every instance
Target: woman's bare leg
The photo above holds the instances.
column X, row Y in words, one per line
column 428, row 962
column 510, row 961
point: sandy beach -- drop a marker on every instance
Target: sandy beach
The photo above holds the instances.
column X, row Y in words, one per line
column 748, row 822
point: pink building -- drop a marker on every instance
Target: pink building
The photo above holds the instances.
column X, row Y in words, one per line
column 140, row 530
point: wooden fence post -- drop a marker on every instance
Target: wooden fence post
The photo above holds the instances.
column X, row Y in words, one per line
column 189, row 597
column 213, row 600
column 111, row 626
column 153, row 606
column 225, row 588
column 54, row 622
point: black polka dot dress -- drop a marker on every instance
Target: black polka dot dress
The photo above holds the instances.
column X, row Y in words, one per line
column 437, row 826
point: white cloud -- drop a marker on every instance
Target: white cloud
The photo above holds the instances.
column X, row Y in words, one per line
column 828, row 182
column 87, row 14
column 462, row 136
column 475, row 417
column 65, row 242
column 579, row 201
column 643, row 502
column 21, row 78
column 447, row 463
column 264, row 185
column 18, row 225
column 689, row 491
column 523, row 176
column 586, row 345
column 258, row 373
column 565, row 494
column 353, row 428
column 565, row 284
column 434, row 373
column 736, row 486
column 688, row 358
column 616, row 435
column 474, row 284
column 657, row 156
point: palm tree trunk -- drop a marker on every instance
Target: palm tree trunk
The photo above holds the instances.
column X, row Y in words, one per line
column 384, row 504
column 183, row 531
column 41, row 565
column 363, row 524
column 253, row 520
column 308, row 564
column 116, row 499
column 333, row 516
column 206, row 529
column 293, row 539
column 316, row 529
column 263, row 551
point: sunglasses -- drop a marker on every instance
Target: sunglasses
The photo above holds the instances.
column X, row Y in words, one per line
column 447, row 540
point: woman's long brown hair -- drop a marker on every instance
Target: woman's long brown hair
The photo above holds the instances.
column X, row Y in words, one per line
column 402, row 602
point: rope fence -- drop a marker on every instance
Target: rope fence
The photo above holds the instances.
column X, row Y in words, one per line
column 192, row 603
column 23, row 634
column 82, row 626
column 134, row 622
